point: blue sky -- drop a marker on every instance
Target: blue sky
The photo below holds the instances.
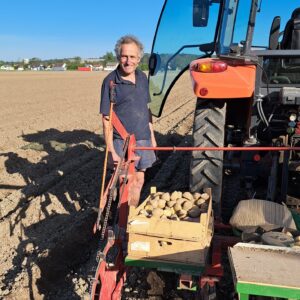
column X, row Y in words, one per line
column 68, row 28
column 90, row 28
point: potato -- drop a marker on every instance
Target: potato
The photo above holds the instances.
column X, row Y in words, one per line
column 205, row 196
column 154, row 203
column 177, row 207
column 158, row 194
column 171, row 203
column 161, row 203
column 196, row 196
column 297, row 238
column 188, row 195
column 194, row 212
column 187, row 205
column 174, row 196
column 156, row 197
column 181, row 213
column 199, row 202
column 180, row 201
column 167, row 212
column 148, row 208
column 297, row 244
column 166, row 196
column 288, row 234
column 157, row 212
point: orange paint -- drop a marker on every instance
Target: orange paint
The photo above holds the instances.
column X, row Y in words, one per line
column 235, row 82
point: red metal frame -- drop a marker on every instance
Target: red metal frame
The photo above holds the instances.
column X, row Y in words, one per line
column 214, row 271
column 219, row 148
column 185, row 281
column 112, row 279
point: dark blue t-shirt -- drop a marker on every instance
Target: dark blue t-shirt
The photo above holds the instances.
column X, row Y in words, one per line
column 131, row 103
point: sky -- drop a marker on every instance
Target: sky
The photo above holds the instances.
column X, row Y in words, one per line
column 67, row 28
column 89, row 28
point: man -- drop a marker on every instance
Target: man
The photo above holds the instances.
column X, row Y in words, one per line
column 131, row 107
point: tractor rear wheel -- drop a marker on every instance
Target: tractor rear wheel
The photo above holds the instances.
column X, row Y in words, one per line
column 207, row 166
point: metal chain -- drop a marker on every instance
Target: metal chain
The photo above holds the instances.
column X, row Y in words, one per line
column 111, row 192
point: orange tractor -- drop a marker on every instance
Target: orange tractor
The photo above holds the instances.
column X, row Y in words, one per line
column 245, row 70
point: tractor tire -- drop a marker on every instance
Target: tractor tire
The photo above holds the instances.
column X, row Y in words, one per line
column 206, row 169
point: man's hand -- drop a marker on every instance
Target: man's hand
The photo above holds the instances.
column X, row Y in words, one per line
column 153, row 140
column 108, row 135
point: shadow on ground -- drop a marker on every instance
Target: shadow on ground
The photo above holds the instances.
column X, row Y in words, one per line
column 60, row 196
column 62, row 188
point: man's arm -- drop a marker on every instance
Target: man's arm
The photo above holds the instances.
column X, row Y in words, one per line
column 108, row 136
column 153, row 140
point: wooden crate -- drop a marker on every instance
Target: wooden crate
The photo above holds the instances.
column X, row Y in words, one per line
column 169, row 240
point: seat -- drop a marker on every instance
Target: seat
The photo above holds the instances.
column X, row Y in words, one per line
column 291, row 34
column 274, row 33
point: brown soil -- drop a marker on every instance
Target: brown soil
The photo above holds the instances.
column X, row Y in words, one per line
column 51, row 164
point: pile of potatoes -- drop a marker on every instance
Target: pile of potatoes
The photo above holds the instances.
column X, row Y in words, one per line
column 176, row 206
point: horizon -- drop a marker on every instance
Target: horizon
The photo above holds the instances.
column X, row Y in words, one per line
column 62, row 58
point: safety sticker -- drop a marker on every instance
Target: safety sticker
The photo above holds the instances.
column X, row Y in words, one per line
column 140, row 246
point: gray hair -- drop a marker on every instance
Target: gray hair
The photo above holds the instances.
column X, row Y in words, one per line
column 128, row 39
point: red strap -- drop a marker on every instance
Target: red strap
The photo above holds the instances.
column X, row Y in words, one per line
column 119, row 126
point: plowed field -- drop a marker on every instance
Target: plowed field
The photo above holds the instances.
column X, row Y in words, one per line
column 51, row 157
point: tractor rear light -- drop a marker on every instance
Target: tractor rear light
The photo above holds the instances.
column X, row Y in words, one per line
column 203, row 91
column 219, row 67
column 256, row 157
column 211, row 67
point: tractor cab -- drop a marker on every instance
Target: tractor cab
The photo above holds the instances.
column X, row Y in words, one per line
column 241, row 30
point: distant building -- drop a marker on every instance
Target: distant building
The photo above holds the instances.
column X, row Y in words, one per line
column 86, row 68
column 98, row 67
column 26, row 61
column 59, row 67
column 7, row 68
column 37, row 67
column 110, row 66
column 93, row 60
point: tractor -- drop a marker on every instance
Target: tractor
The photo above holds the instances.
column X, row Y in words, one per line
column 243, row 57
column 244, row 62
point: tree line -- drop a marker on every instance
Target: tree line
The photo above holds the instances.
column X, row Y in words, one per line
column 74, row 62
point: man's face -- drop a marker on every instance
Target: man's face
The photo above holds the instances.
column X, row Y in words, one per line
column 129, row 58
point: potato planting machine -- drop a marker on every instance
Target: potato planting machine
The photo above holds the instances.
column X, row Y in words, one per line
column 113, row 263
column 245, row 70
